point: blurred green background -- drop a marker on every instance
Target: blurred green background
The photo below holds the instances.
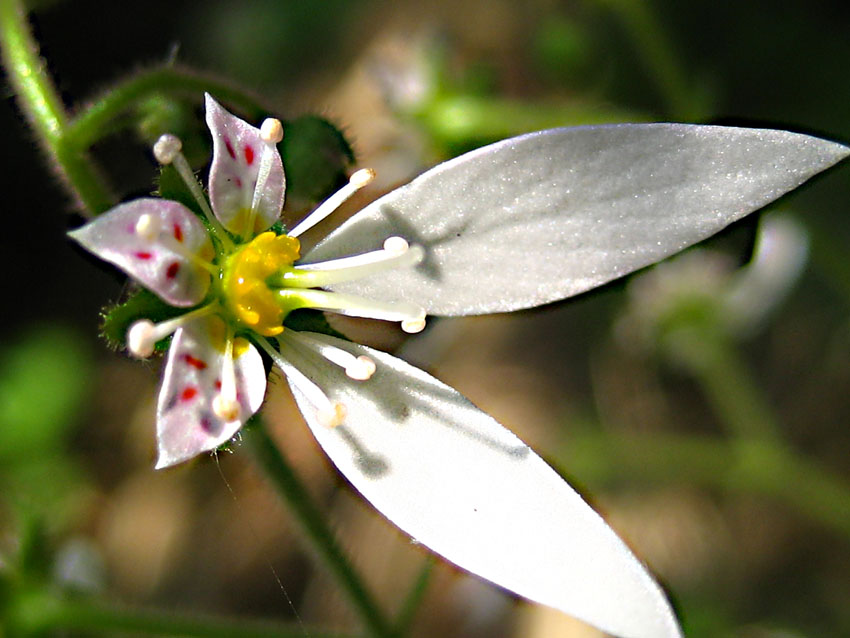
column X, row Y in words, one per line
column 712, row 433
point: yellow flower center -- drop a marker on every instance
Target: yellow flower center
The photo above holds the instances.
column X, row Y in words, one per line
column 246, row 292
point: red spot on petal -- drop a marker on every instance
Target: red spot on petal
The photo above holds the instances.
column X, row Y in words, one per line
column 195, row 363
column 189, row 393
column 218, row 384
column 178, row 232
column 143, row 255
column 238, row 183
column 229, row 148
column 206, row 423
column 249, row 155
column 173, row 268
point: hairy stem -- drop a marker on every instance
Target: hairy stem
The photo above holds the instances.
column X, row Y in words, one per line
column 94, row 120
column 40, row 102
column 317, row 531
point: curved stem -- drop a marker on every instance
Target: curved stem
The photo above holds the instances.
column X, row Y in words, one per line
column 318, row 532
column 90, row 123
column 40, row 102
column 659, row 57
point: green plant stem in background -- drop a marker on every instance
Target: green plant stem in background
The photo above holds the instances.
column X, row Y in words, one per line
column 91, row 123
column 317, row 531
column 413, row 601
column 469, row 120
column 743, row 467
column 711, row 357
column 659, row 57
column 36, row 612
column 40, row 102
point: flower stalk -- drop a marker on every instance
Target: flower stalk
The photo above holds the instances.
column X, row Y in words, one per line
column 40, row 102
column 317, row 531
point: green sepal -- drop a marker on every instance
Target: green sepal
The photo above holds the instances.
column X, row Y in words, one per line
column 315, row 156
column 141, row 304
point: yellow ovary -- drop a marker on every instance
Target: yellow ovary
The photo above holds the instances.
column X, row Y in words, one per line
column 246, row 292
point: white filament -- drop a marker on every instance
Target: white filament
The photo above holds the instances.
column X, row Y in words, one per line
column 325, row 273
column 357, row 181
column 358, row 368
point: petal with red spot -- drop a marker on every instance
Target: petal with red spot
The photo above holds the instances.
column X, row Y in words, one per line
column 187, row 425
column 161, row 262
column 237, row 153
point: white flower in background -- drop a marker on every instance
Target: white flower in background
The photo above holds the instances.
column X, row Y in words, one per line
column 514, row 225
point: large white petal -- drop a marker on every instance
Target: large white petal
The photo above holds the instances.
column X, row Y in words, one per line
column 548, row 215
column 458, row 482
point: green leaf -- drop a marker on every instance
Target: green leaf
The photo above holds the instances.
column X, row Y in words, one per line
column 315, row 155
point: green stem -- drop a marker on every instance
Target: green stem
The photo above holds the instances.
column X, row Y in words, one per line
column 414, row 597
column 40, row 102
column 462, row 119
column 38, row 612
column 93, row 121
column 751, row 467
column 659, row 56
column 318, row 532
column 713, row 360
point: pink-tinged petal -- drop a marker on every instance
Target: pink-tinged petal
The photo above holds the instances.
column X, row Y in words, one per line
column 237, row 155
column 158, row 258
column 186, row 423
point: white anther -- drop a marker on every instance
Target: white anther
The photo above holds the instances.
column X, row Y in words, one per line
column 413, row 326
column 226, row 408
column 332, row 416
column 271, row 131
column 141, row 338
column 147, row 227
column 396, row 245
column 360, row 178
column 166, row 148
column 361, row 369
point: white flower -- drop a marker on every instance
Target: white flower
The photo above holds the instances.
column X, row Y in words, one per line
column 524, row 222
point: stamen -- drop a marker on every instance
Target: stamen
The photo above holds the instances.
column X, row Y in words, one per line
column 358, row 368
column 395, row 254
column 271, row 132
column 357, row 181
column 329, row 413
column 225, row 405
column 167, row 150
column 144, row 334
column 411, row 317
column 148, row 228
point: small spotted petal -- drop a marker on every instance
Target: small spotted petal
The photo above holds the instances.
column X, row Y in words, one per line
column 186, row 423
column 237, row 154
column 458, row 482
column 157, row 258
